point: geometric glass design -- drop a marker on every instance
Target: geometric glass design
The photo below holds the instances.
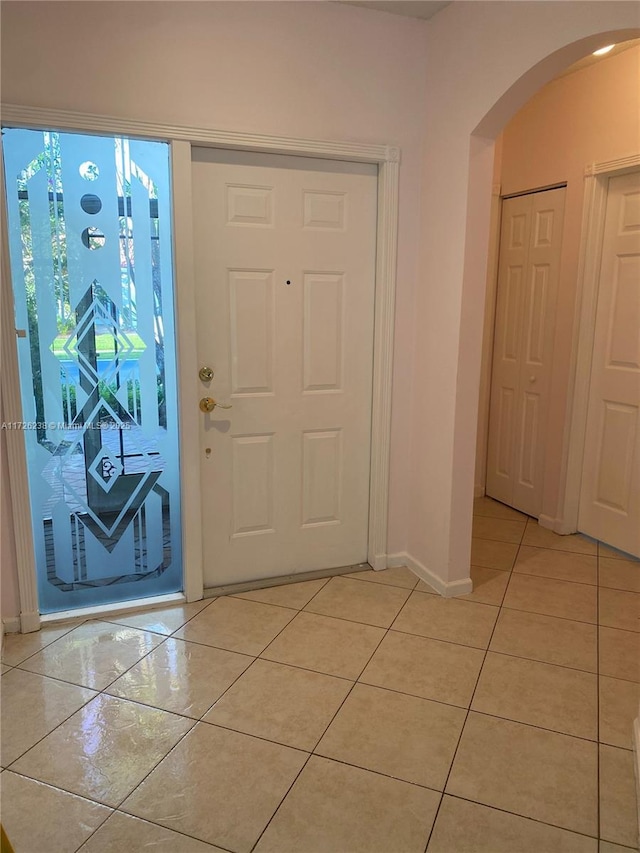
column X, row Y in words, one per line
column 105, row 469
column 98, row 364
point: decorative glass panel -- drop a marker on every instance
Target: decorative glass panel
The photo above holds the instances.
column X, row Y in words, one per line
column 90, row 248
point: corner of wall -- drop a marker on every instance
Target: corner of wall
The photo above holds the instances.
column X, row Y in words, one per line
column 450, row 589
column 10, row 625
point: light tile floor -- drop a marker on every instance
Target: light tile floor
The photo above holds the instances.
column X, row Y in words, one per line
column 355, row 714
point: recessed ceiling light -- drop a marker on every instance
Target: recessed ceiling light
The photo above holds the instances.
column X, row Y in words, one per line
column 603, row 50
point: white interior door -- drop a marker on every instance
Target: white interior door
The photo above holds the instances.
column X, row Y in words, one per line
column 610, row 490
column 285, row 279
column 528, row 271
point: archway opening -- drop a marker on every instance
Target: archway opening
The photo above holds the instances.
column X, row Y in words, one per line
column 481, row 237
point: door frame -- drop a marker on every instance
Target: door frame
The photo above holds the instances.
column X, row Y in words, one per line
column 181, row 138
column 596, row 186
column 486, row 361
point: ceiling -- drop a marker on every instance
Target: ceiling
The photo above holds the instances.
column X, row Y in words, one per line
column 424, row 9
column 591, row 60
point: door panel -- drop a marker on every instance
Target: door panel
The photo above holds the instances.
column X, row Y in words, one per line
column 252, row 484
column 610, row 491
column 529, row 263
column 323, row 347
column 251, row 295
column 321, row 477
column 285, row 267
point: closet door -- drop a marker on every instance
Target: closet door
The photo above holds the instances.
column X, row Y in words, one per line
column 528, row 271
column 610, row 492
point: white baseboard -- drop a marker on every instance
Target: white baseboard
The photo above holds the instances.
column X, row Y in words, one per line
column 29, row 621
column 11, row 625
column 636, row 762
column 379, row 562
column 478, row 491
column 447, row 590
column 395, row 561
column 558, row 525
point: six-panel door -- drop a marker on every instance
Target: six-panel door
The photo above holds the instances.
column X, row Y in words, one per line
column 285, row 276
column 610, row 493
column 529, row 266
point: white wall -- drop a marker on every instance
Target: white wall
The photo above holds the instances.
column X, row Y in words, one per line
column 331, row 71
column 591, row 115
column 316, row 70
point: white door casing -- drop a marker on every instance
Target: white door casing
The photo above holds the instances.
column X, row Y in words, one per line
column 285, row 276
column 528, row 273
column 387, row 159
column 609, row 507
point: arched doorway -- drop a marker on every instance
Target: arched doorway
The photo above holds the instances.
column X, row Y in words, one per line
column 457, row 185
column 587, row 115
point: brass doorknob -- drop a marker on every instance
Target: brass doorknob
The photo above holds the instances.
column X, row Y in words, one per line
column 205, row 374
column 208, row 404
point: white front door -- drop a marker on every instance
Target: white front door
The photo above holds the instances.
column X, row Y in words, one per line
column 610, row 491
column 285, row 279
column 528, row 271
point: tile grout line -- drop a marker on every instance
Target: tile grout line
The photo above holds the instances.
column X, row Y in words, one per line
column 313, row 753
column 200, row 719
column 115, row 621
column 553, row 615
column 116, row 810
column 163, row 638
column 61, row 723
column 73, row 794
column 100, row 693
column 528, row 817
column 255, row 659
column 106, row 622
column 381, row 627
column 530, row 520
column 348, row 694
column 468, row 710
column 344, row 678
column 195, row 722
column 547, row 663
column 46, row 646
column 113, row 809
column 97, row 692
